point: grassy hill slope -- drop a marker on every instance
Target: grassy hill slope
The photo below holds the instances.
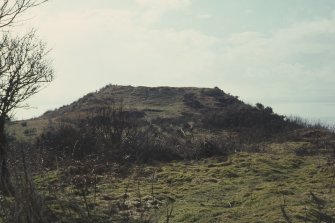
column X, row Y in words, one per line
column 152, row 102
column 273, row 186
column 141, row 154
column 196, row 110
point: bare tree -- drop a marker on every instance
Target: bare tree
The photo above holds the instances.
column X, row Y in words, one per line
column 11, row 9
column 24, row 69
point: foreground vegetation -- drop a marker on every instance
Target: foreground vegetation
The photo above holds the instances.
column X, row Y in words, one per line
column 274, row 185
column 205, row 156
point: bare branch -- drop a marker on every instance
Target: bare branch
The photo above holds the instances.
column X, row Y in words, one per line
column 24, row 70
column 11, row 9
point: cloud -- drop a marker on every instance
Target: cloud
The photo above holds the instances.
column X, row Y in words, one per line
column 164, row 5
column 94, row 47
column 292, row 63
column 249, row 12
column 100, row 46
column 154, row 9
column 204, row 16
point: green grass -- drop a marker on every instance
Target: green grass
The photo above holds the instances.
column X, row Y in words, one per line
column 244, row 188
column 27, row 129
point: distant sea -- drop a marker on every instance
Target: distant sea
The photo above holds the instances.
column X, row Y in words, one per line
column 313, row 112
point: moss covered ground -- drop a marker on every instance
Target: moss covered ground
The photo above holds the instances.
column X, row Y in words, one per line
column 273, row 186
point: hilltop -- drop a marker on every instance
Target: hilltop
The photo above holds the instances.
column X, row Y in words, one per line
column 189, row 108
column 151, row 101
column 182, row 116
column 182, row 113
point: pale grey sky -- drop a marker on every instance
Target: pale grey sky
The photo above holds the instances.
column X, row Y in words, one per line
column 279, row 53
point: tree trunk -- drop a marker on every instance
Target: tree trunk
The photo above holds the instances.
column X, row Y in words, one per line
column 5, row 185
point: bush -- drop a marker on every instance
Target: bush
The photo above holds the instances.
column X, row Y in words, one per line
column 67, row 141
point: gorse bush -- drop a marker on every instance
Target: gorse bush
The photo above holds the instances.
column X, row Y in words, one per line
column 67, row 141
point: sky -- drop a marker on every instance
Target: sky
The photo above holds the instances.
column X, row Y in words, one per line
column 279, row 53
